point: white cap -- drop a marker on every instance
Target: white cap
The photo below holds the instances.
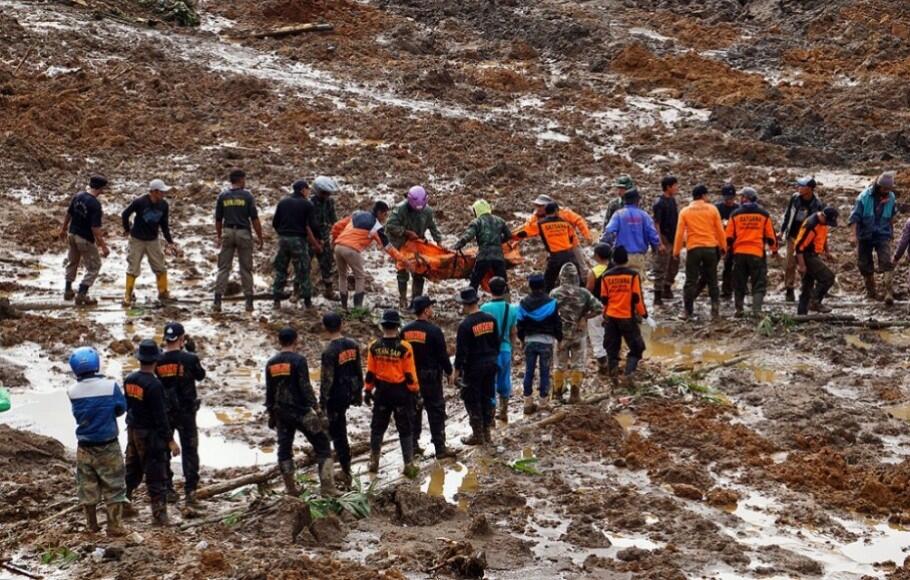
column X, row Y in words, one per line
column 158, row 185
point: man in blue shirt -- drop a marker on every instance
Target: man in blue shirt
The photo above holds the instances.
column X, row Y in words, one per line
column 506, row 316
column 632, row 228
column 872, row 230
column 97, row 401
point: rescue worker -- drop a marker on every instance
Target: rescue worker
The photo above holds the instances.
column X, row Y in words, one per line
column 559, row 239
column 633, row 229
column 603, row 253
column 340, row 386
column 149, row 433
column 539, row 329
column 624, row 306
column 178, row 370
column 151, row 212
column 576, row 304
column 582, row 231
column 295, row 223
column 352, row 236
column 490, row 232
column 810, row 244
column 903, row 244
column 96, row 403
column 726, row 206
column 410, row 221
column 749, row 231
column 391, row 385
column 326, row 216
column 802, row 204
column 235, row 216
column 477, row 346
column 506, row 316
column 85, row 238
column 701, row 229
column 431, row 359
column 291, row 406
column 666, row 218
column 872, row 230
column 621, row 185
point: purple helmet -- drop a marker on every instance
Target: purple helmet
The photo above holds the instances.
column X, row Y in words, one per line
column 417, row 197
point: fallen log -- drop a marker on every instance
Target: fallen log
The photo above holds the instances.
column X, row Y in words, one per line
column 561, row 415
column 824, row 318
column 291, row 30
column 60, row 514
column 226, row 514
column 16, row 570
column 697, row 373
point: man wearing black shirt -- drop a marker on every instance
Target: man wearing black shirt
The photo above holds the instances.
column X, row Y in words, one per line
column 803, row 204
column 340, row 386
column 151, row 212
column 178, row 371
column 149, row 435
column 432, row 360
column 235, row 215
column 295, row 223
column 84, row 236
column 726, row 207
column 291, row 405
column 476, row 352
column 666, row 216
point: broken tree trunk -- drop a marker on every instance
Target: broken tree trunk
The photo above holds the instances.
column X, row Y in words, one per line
column 561, row 415
column 825, row 318
column 5, row 564
column 291, row 30
column 713, row 367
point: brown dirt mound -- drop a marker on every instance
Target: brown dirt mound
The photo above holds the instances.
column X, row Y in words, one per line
column 592, row 428
column 412, row 508
column 55, row 335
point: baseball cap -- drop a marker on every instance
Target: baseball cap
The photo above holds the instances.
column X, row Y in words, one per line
column 97, row 182
column 173, row 331
column 728, row 190
column 331, row 321
column 300, row 185
column 624, row 181
column 543, row 199
column 287, row 335
column 421, row 303
column 749, row 193
column 806, row 182
column 158, row 185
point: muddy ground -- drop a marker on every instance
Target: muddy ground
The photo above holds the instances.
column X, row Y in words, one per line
column 747, row 449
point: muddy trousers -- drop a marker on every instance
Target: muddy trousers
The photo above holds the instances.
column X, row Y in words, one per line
column 287, row 427
column 393, row 401
column 617, row 330
column 147, row 456
column 100, row 475
column 235, row 241
column 292, row 251
column 700, row 263
column 350, row 259
column 554, row 264
column 666, row 266
column 482, row 268
column 325, row 260
column 338, row 433
column 817, row 280
column 538, row 354
column 417, row 283
column 596, row 335
column 478, row 393
column 432, row 400
column 572, row 353
column 864, row 260
column 80, row 250
column 749, row 270
column 790, row 267
column 185, row 427
column 151, row 250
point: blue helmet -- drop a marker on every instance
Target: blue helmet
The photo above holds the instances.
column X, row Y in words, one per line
column 85, row 360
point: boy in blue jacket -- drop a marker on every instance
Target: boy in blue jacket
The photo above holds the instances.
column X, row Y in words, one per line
column 539, row 329
column 97, row 401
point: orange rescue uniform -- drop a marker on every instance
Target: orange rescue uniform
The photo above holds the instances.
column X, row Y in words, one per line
column 749, row 230
column 700, row 226
column 620, row 291
column 390, row 362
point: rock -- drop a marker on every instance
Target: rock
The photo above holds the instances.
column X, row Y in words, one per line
column 687, row 491
column 633, row 554
column 479, row 527
column 721, row 497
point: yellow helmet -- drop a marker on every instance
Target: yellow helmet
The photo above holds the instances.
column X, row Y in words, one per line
column 481, row 207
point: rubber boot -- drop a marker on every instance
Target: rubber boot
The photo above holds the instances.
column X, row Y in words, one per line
column 249, row 303
column 603, row 366
column 715, row 310
column 164, row 296
column 688, row 309
column 402, row 296
column 374, row 462
column 416, row 287
column 346, row 479
column 803, row 305
column 216, row 305
column 668, row 293
column 327, row 479
column 738, row 305
column 503, row 412
column 129, row 510
column 443, row 452
column 171, row 495
column 328, row 293
column 575, row 379
column 559, row 386
column 869, row 282
column 631, row 365
column 888, row 283
column 115, row 527
column 816, row 306
column 159, row 513
column 344, row 301
column 91, row 518
column 476, row 436
column 68, row 292
column 287, row 476
column 82, row 297
column 790, row 295
column 128, row 297
column 358, row 299
column 276, row 304
column 658, row 297
column 530, row 405
column 488, row 434
column 758, row 301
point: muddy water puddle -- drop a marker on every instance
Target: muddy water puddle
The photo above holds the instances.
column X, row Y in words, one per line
column 661, row 345
column 450, row 481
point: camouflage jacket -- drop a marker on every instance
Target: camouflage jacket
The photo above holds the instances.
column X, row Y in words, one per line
column 614, row 206
column 403, row 219
column 490, row 232
column 576, row 304
column 325, row 215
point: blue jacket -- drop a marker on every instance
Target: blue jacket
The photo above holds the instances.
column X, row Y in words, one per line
column 97, row 402
column 539, row 314
column 872, row 227
column 633, row 229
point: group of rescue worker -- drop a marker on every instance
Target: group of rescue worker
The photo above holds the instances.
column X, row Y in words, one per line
column 567, row 305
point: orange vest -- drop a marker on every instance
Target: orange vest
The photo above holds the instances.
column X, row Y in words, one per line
column 749, row 229
column 812, row 237
column 390, row 362
column 620, row 291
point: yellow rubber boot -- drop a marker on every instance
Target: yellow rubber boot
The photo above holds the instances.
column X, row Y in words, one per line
column 128, row 293
column 559, row 385
column 575, row 379
column 161, row 280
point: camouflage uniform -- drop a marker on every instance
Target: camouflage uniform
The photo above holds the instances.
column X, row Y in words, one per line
column 576, row 305
column 404, row 219
column 293, row 250
column 100, row 474
column 614, row 206
column 490, row 232
column 326, row 218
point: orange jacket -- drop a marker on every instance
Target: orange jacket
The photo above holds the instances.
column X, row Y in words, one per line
column 556, row 233
column 749, row 229
column 812, row 237
column 620, row 291
column 390, row 362
column 353, row 232
column 700, row 226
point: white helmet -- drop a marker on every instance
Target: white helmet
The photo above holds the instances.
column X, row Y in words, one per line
column 325, row 185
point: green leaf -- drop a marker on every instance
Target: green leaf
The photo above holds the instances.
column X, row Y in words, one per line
column 526, row 466
column 231, row 519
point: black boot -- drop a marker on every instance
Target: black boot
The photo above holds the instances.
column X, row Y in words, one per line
column 249, row 303
column 476, row 436
column 216, row 306
column 738, row 302
column 803, row 306
column 358, row 299
column 402, row 295
column 688, row 309
column 790, row 295
column 416, row 287
column 344, row 300
column 715, row 310
column 443, row 452
column 658, row 297
column 631, row 365
column 68, row 293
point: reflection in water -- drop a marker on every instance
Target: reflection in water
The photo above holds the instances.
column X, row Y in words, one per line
column 449, row 481
column 626, row 420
